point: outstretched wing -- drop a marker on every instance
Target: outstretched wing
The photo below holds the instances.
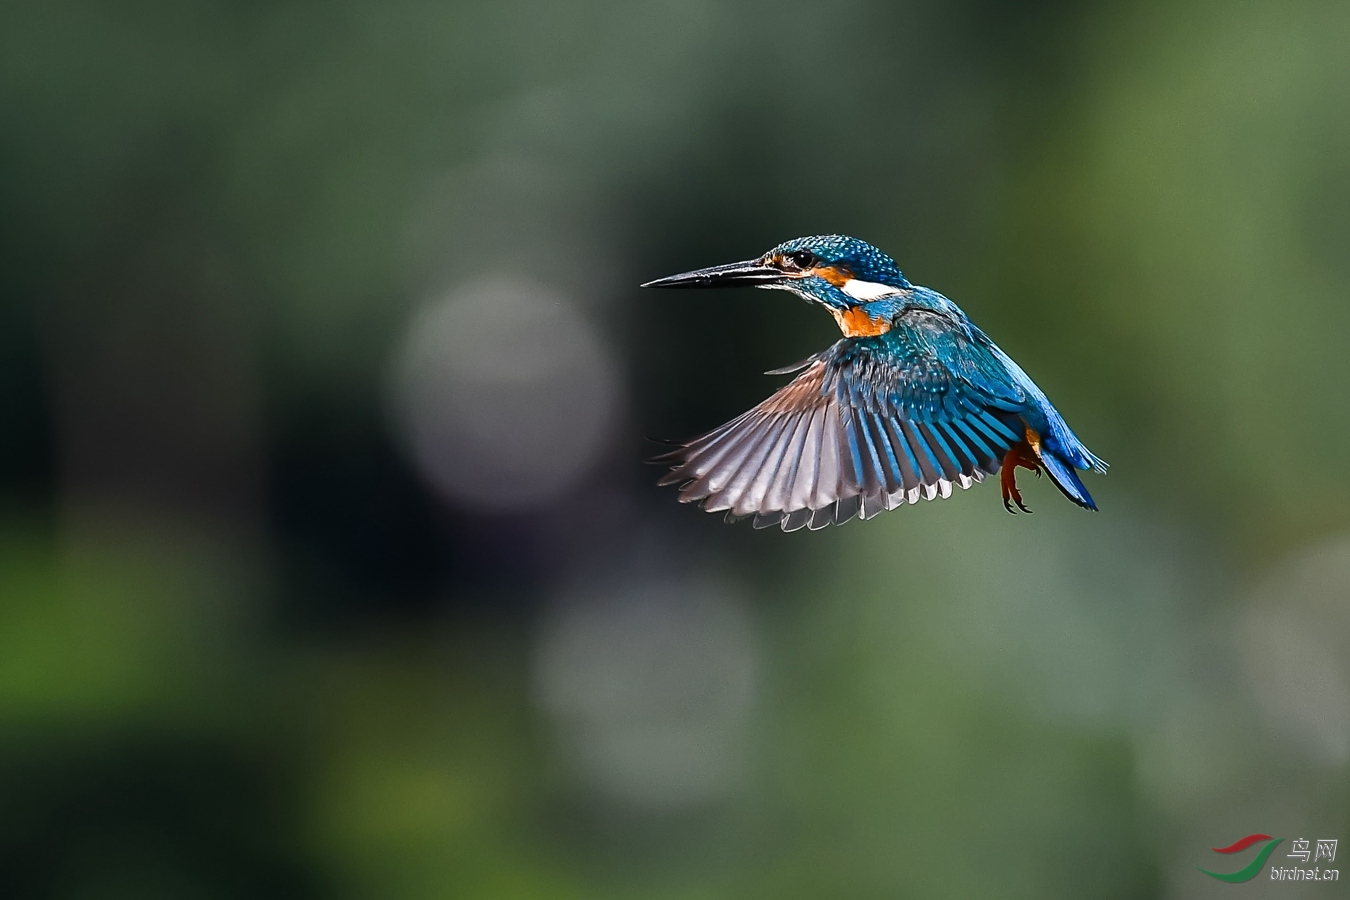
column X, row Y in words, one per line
column 870, row 424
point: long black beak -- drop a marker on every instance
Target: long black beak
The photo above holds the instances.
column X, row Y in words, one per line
column 741, row 274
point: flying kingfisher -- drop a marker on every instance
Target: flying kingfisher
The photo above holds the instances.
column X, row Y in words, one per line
column 912, row 400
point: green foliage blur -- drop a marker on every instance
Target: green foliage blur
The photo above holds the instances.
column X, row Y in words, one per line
column 268, row 629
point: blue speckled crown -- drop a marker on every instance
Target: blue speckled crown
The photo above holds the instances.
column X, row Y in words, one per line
column 859, row 257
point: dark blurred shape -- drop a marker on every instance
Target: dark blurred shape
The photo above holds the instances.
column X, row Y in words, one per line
column 148, row 819
column 359, row 535
column 154, row 382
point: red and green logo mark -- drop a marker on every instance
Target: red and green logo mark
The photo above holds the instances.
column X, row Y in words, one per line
column 1251, row 869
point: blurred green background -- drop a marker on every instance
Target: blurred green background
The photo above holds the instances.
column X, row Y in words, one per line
column 329, row 566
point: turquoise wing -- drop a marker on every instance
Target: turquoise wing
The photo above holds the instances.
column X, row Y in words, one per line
column 870, row 424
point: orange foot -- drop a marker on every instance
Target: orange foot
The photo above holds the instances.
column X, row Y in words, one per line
column 1019, row 456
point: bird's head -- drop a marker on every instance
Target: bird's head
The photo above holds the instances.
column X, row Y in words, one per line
column 834, row 270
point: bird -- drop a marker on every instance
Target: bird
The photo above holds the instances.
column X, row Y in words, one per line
column 912, row 400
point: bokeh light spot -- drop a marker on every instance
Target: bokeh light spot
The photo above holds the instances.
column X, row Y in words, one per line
column 505, row 394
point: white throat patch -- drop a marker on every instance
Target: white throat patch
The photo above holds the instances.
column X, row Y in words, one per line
column 867, row 290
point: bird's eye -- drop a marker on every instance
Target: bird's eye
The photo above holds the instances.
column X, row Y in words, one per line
column 800, row 259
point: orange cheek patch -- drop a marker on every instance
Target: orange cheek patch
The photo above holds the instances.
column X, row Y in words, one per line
column 835, row 275
column 855, row 322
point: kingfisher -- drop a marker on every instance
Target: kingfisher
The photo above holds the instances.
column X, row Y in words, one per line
column 912, row 400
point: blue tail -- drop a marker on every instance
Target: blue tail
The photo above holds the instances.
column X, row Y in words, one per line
column 1061, row 452
column 1066, row 479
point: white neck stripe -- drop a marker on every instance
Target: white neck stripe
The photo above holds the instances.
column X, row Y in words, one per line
column 868, row 290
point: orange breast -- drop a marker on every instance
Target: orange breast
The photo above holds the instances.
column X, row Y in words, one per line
column 855, row 322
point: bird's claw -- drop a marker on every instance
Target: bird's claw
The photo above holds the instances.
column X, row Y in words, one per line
column 1020, row 455
column 1015, row 496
